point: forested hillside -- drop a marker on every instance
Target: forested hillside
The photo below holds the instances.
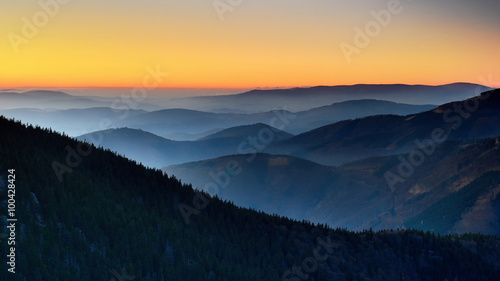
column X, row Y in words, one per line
column 88, row 214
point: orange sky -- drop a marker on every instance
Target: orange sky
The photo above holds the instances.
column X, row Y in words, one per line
column 256, row 44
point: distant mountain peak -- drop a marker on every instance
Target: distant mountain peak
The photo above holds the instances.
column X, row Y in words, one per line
column 47, row 94
column 248, row 130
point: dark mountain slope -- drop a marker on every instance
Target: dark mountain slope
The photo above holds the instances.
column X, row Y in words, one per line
column 274, row 184
column 447, row 212
column 362, row 194
column 445, row 173
column 110, row 219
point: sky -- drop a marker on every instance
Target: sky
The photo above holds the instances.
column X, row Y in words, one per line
column 247, row 44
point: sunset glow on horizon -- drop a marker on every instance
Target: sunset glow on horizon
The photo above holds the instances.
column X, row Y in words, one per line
column 253, row 44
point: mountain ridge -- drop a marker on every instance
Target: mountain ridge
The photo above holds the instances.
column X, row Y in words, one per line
column 390, row 134
column 155, row 151
column 359, row 195
column 247, row 130
column 299, row 99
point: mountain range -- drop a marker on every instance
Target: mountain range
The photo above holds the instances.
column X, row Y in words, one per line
column 182, row 124
column 359, row 195
column 158, row 152
column 388, row 134
column 269, row 195
column 100, row 216
column 300, row 99
column 396, row 168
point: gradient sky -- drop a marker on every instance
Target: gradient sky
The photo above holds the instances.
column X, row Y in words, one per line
column 260, row 43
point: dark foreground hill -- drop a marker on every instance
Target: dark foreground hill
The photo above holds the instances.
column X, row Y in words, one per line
column 106, row 218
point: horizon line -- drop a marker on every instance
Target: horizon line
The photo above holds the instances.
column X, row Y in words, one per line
column 7, row 88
